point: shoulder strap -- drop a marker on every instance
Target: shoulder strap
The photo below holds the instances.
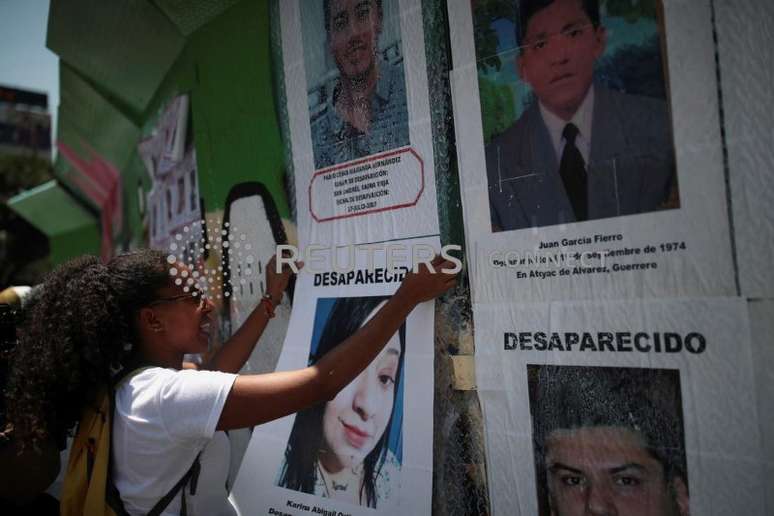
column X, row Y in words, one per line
column 193, row 475
column 113, row 497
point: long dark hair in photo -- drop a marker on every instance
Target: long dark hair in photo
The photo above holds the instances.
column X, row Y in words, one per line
column 306, row 438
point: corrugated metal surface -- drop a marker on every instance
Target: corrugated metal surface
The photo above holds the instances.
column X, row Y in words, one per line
column 127, row 46
column 190, row 15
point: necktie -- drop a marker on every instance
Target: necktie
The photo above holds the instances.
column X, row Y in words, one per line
column 572, row 169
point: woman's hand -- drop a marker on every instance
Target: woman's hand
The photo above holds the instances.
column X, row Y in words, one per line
column 256, row 399
column 425, row 284
column 234, row 353
column 277, row 282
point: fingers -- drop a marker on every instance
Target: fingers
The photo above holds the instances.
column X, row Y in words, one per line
column 446, row 265
column 437, row 260
column 439, row 263
column 449, row 278
column 443, row 266
column 445, row 278
column 286, row 267
column 285, row 254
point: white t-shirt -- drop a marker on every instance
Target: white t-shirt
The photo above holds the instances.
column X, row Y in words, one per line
column 163, row 419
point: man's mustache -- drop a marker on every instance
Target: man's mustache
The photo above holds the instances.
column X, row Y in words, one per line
column 355, row 45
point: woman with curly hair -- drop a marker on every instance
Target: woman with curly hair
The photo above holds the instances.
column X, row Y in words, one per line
column 93, row 320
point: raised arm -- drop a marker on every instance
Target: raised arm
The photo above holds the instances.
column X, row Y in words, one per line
column 256, row 399
column 235, row 351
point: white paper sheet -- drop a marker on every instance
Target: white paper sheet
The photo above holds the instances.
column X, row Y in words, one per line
column 745, row 55
column 404, row 480
column 379, row 196
column 703, row 345
column 361, row 198
column 762, row 336
column 651, row 252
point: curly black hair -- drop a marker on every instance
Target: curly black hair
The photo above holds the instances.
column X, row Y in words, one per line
column 77, row 335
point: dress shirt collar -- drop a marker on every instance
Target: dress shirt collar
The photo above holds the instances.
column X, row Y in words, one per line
column 582, row 120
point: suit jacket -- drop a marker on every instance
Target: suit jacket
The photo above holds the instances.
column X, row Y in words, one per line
column 631, row 164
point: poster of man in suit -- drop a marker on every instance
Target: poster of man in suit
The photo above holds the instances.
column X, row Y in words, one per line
column 575, row 111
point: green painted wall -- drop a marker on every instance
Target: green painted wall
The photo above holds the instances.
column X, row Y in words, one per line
column 70, row 228
column 80, row 241
column 125, row 46
column 112, row 94
column 91, row 120
column 226, row 67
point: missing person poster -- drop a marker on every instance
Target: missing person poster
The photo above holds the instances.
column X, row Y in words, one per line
column 359, row 120
column 356, row 85
column 582, row 173
column 634, row 407
column 369, row 449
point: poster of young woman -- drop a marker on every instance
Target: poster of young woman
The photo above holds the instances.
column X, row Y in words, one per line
column 355, row 80
column 627, row 407
column 590, row 150
column 369, row 449
column 359, row 120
